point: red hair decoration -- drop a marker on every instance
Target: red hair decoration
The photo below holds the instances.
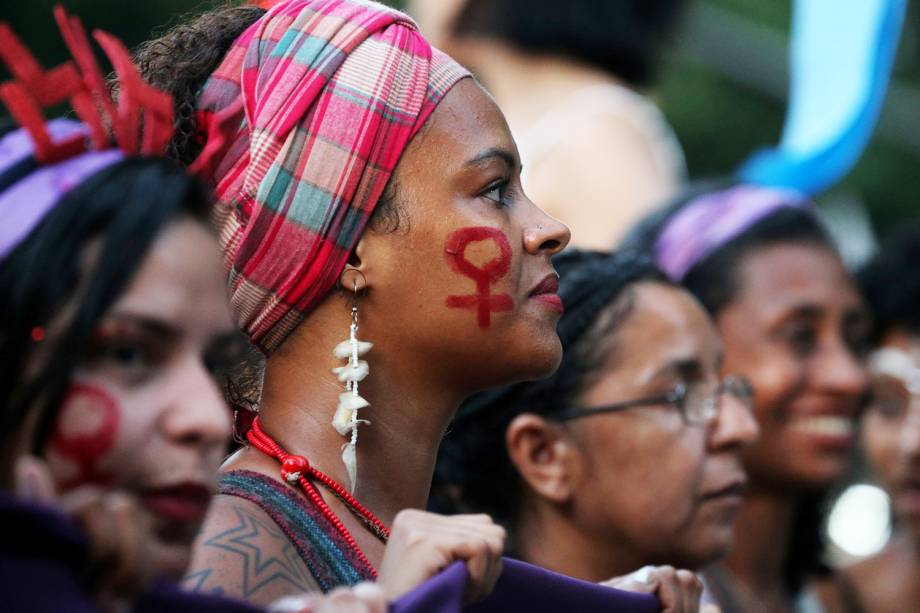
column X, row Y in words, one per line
column 141, row 123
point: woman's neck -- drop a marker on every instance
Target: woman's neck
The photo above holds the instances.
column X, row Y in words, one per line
column 396, row 451
column 759, row 553
column 549, row 538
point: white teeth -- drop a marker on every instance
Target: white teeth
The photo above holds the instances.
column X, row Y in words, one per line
column 826, row 425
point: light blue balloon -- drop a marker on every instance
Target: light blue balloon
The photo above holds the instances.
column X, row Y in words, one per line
column 841, row 57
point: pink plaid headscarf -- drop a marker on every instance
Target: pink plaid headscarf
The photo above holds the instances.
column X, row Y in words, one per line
column 306, row 119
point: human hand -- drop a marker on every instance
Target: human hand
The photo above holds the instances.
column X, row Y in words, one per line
column 422, row 544
column 116, row 532
column 361, row 598
column 678, row 591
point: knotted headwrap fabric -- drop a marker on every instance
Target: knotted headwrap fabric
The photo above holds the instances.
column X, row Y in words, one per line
column 305, row 120
column 714, row 219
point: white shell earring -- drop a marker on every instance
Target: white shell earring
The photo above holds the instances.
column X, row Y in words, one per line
column 356, row 370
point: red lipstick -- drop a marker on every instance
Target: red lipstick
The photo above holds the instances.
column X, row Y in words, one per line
column 182, row 502
column 547, row 293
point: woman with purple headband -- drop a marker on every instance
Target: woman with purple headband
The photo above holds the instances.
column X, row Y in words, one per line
column 115, row 339
column 793, row 323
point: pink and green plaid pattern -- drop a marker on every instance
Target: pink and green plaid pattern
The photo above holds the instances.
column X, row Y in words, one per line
column 306, row 119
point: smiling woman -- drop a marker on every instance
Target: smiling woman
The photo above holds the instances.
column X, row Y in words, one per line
column 366, row 183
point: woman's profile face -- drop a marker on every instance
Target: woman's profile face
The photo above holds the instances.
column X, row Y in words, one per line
column 798, row 330
column 468, row 272
column 659, row 490
column 891, row 424
column 144, row 413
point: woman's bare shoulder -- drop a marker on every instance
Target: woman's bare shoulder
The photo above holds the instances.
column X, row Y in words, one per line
column 242, row 553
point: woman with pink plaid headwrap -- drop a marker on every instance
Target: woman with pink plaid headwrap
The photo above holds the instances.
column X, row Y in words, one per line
column 356, row 166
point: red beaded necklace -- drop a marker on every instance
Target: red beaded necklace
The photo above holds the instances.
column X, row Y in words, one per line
column 297, row 469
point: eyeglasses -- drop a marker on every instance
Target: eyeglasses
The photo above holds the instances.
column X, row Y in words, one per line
column 698, row 403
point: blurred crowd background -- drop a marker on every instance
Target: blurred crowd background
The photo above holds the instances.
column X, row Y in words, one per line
column 723, row 89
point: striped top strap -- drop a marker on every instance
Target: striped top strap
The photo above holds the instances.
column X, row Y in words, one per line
column 331, row 562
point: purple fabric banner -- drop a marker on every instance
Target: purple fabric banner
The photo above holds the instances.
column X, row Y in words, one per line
column 522, row 587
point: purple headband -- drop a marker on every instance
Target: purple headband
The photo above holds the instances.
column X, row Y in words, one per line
column 27, row 201
column 712, row 220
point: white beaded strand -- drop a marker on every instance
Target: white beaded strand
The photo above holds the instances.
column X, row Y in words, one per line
column 346, row 419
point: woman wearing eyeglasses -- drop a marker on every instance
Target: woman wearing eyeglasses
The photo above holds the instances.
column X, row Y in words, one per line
column 793, row 322
column 630, row 455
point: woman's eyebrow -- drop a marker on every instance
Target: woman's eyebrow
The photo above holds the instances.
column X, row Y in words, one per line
column 147, row 324
column 689, row 368
column 488, row 155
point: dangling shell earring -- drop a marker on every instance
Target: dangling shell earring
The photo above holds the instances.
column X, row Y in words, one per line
column 346, row 419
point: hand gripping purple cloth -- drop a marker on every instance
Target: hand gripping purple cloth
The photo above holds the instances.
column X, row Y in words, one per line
column 521, row 587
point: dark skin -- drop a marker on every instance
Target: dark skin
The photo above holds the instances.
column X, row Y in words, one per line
column 461, row 171
column 609, row 493
column 796, row 330
column 890, row 438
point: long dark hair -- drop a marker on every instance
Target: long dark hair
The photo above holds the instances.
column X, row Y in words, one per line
column 474, row 471
column 77, row 262
column 716, row 283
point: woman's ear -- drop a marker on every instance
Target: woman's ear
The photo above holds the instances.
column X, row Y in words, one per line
column 354, row 275
column 545, row 456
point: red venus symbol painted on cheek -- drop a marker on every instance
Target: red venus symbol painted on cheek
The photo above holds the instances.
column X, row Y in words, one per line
column 484, row 302
column 85, row 431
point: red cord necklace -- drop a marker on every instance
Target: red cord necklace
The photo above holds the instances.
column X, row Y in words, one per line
column 297, row 469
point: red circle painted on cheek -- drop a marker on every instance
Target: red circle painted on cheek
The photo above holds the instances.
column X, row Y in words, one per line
column 483, row 302
column 86, row 429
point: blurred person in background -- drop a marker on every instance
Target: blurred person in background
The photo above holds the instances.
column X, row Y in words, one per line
column 115, row 326
column 572, row 79
column 890, row 434
column 793, row 324
column 630, row 454
column 116, row 332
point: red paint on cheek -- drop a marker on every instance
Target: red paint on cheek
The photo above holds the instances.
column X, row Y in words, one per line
column 85, row 431
column 484, row 302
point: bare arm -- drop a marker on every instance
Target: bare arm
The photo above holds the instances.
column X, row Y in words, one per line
column 240, row 552
column 599, row 180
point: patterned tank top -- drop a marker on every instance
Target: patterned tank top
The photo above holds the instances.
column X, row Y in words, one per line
column 323, row 550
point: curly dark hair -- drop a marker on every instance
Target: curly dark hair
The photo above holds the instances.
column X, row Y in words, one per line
column 180, row 61
column 474, row 471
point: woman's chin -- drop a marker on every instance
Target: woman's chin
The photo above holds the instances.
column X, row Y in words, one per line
column 542, row 359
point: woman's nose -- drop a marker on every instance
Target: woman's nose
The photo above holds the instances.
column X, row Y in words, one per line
column 546, row 235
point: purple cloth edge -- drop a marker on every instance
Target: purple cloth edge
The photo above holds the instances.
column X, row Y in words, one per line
column 521, row 587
